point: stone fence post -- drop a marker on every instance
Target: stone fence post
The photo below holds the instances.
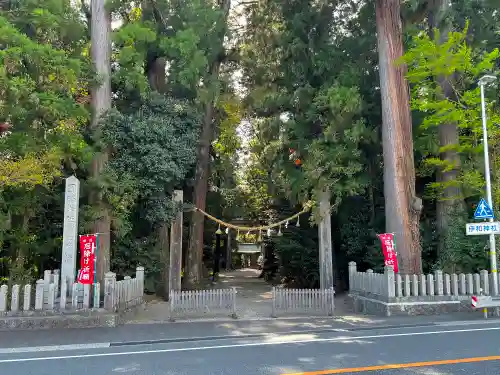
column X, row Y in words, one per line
column 389, row 281
column 352, row 274
column 485, row 282
column 139, row 275
column 439, row 279
column 109, row 290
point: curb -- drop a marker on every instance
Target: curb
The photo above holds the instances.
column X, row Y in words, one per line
column 50, row 348
column 470, row 322
column 227, row 320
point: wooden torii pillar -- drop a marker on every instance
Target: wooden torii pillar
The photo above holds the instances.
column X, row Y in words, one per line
column 325, row 243
column 175, row 258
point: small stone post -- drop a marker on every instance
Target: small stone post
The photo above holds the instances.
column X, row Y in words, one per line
column 86, row 296
column 462, row 284
column 423, row 285
column 476, row 283
column 109, row 290
column 139, row 274
column 4, row 289
column 14, row 301
column 56, row 279
column 447, row 284
column 389, row 279
column 27, row 297
column 74, row 296
column 454, row 285
column 352, row 275
column 407, row 286
column 470, row 284
column 126, row 291
column 47, row 280
column 430, row 285
column 64, row 295
column 368, row 285
column 399, row 285
column 39, row 295
column 51, row 296
column 485, row 282
column 438, row 275
column 97, row 296
column 414, row 285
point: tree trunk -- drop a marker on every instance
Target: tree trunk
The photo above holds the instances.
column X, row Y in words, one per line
column 101, row 102
column 196, row 227
column 156, row 74
column 155, row 71
column 402, row 206
column 195, row 247
column 163, row 287
column 451, row 199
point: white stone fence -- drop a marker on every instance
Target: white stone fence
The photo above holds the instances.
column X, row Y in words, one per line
column 121, row 295
column 303, row 301
column 50, row 295
column 391, row 285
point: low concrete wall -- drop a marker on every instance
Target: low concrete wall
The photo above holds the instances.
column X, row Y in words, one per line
column 80, row 319
column 419, row 305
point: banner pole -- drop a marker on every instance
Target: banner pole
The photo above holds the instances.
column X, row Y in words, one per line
column 77, row 273
column 395, row 248
column 96, row 303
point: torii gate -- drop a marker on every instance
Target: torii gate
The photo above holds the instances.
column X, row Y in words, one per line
column 324, row 234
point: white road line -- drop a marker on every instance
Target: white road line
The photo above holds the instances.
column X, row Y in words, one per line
column 51, row 348
column 468, row 322
column 229, row 346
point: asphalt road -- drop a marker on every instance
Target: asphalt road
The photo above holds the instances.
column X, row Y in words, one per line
column 460, row 349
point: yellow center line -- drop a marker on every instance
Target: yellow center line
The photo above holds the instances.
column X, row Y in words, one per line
column 398, row 366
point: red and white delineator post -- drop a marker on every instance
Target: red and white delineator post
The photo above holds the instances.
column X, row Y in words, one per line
column 483, row 302
column 474, row 301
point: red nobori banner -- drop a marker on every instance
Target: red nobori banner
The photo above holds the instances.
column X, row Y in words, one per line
column 87, row 258
column 389, row 250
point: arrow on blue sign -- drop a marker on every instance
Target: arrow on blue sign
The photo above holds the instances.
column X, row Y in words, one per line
column 483, row 210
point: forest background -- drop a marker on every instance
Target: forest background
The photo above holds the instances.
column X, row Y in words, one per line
column 211, row 97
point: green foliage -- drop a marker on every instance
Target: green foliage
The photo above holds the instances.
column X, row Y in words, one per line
column 299, row 99
column 131, row 42
column 310, row 83
column 359, row 222
column 44, row 74
column 156, row 147
column 455, row 61
column 297, row 255
column 464, row 253
column 303, row 103
column 152, row 150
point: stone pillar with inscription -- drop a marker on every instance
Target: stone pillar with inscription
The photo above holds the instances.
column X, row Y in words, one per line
column 70, row 231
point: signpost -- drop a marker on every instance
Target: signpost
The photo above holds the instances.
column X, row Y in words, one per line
column 481, row 229
column 483, row 81
column 491, row 228
column 483, row 211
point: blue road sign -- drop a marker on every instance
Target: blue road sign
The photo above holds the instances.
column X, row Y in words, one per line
column 483, row 210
